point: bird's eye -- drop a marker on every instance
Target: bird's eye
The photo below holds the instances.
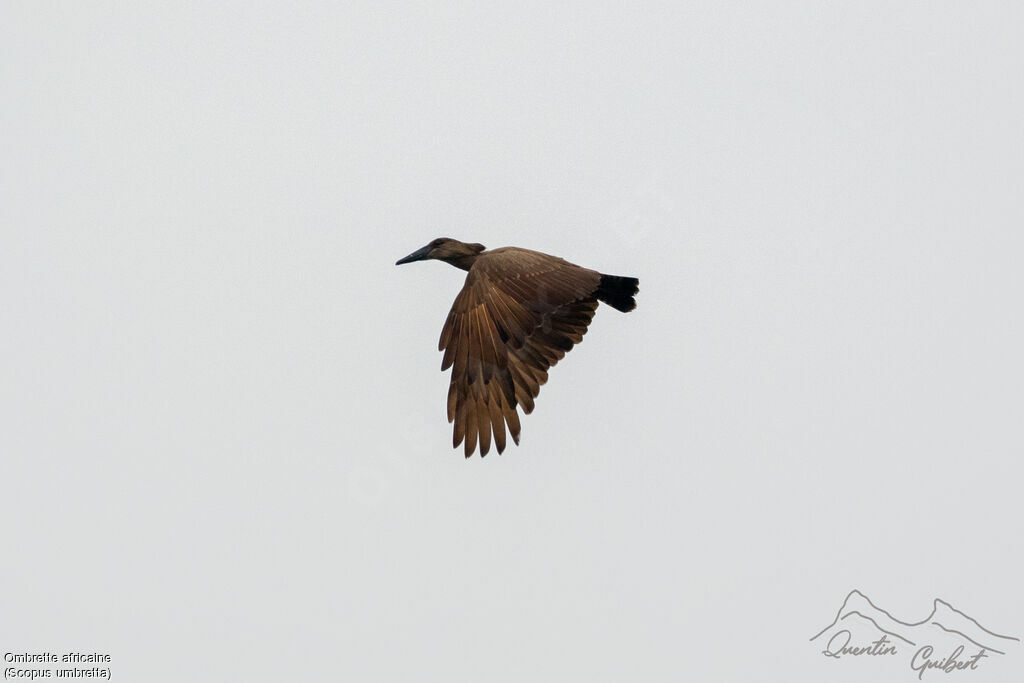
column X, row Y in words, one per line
column 436, row 243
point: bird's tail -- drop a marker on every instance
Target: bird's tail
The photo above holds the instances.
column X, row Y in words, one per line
column 618, row 291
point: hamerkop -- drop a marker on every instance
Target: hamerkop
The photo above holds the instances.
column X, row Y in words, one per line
column 518, row 314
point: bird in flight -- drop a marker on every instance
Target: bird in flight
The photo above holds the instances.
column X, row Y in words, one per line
column 518, row 314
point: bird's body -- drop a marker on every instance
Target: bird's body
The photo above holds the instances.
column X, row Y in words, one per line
column 518, row 314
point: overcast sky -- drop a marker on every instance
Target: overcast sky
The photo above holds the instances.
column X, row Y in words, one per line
column 222, row 421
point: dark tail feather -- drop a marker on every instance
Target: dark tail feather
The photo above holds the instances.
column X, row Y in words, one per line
column 618, row 292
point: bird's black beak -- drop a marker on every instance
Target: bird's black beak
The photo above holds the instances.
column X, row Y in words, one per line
column 418, row 255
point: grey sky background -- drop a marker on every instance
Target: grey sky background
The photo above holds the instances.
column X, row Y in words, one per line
column 225, row 454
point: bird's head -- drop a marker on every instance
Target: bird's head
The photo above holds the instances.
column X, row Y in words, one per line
column 445, row 249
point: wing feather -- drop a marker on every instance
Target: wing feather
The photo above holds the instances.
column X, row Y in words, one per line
column 469, row 420
column 483, row 421
column 517, row 315
column 494, row 403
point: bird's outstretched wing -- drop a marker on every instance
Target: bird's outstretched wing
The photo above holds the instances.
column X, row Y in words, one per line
column 518, row 314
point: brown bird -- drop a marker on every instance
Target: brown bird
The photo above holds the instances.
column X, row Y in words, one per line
column 518, row 314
